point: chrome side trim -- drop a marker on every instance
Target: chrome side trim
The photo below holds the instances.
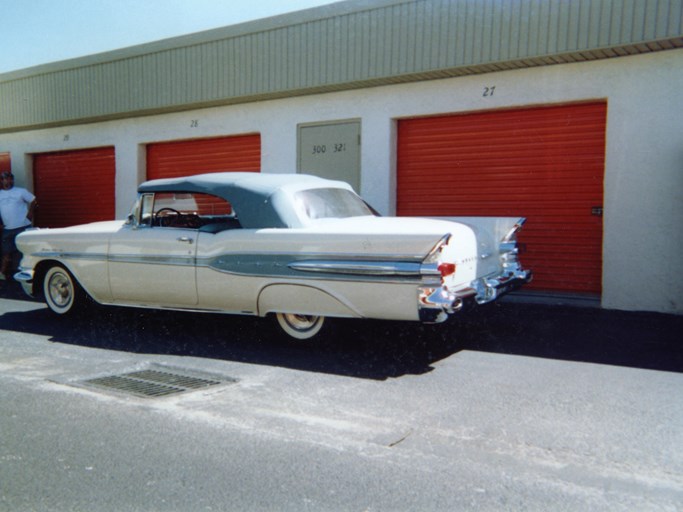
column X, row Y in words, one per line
column 316, row 266
column 153, row 259
column 71, row 255
column 364, row 268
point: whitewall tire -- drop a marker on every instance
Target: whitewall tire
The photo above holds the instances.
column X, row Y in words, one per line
column 300, row 327
column 63, row 295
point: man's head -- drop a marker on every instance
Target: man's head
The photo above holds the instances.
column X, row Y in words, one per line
column 7, row 180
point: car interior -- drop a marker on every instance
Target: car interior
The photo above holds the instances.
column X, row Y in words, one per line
column 207, row 213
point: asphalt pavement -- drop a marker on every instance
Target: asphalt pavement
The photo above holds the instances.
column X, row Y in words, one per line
column 514, row 406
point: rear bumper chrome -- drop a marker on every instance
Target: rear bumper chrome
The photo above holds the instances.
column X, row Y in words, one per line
column 436, row 303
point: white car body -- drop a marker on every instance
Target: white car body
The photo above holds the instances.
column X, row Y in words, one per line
column 289, row 256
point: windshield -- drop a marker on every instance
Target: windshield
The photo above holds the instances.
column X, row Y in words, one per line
column 331, row 203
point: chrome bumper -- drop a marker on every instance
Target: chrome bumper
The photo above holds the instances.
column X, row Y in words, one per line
column 25, row 278
column 435, row 304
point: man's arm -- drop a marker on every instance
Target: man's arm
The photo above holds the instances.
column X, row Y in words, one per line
column 31, row 207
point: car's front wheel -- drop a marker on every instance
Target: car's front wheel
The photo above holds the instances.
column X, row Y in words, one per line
column 63, row 295
column 300, row 327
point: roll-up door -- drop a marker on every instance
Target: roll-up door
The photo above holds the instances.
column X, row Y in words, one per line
column 74, row 187
column 189, row 157
column 542, row 163
column 5, row 162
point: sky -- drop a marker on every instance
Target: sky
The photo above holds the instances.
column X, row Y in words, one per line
column 34, row 32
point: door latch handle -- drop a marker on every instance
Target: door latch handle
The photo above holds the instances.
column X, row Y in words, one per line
column 596, row 211
column 186, row 239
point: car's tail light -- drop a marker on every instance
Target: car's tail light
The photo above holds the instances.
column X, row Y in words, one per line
column 446, row 269
column 434, row 265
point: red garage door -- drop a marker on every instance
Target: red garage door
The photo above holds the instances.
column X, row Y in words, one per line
column 189, row 157
column 542, row 163
column 74, row 187
column 5, row 162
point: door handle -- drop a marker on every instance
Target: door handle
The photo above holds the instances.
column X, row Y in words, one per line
column 186, row 239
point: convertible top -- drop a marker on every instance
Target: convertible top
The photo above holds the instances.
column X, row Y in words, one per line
column 262, row 200
column 264, row 184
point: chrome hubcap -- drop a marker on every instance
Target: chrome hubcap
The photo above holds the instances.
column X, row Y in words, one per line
column 60, row 290
column 301, row 322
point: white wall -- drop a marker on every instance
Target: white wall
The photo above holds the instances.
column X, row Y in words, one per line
column 643, row 237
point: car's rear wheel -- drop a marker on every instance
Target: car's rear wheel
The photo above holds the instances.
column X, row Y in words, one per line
column 63, row 295
column 300, row 327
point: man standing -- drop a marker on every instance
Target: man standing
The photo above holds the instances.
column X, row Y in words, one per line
column 16, row 209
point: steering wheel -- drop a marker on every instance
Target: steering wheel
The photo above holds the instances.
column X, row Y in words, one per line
column 165, row 220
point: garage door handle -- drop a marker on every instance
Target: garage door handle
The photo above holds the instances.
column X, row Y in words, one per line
column 186, row 239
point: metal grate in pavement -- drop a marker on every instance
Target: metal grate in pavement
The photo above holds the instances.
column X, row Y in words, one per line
column 158, row 381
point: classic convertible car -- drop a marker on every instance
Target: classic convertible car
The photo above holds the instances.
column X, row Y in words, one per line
column 296, row 247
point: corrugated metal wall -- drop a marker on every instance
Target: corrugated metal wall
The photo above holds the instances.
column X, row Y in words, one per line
column 360, row 44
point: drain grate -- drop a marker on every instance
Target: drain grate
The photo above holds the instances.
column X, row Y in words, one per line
column 158, row 382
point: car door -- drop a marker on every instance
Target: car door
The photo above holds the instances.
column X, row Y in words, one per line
column 153, row 265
